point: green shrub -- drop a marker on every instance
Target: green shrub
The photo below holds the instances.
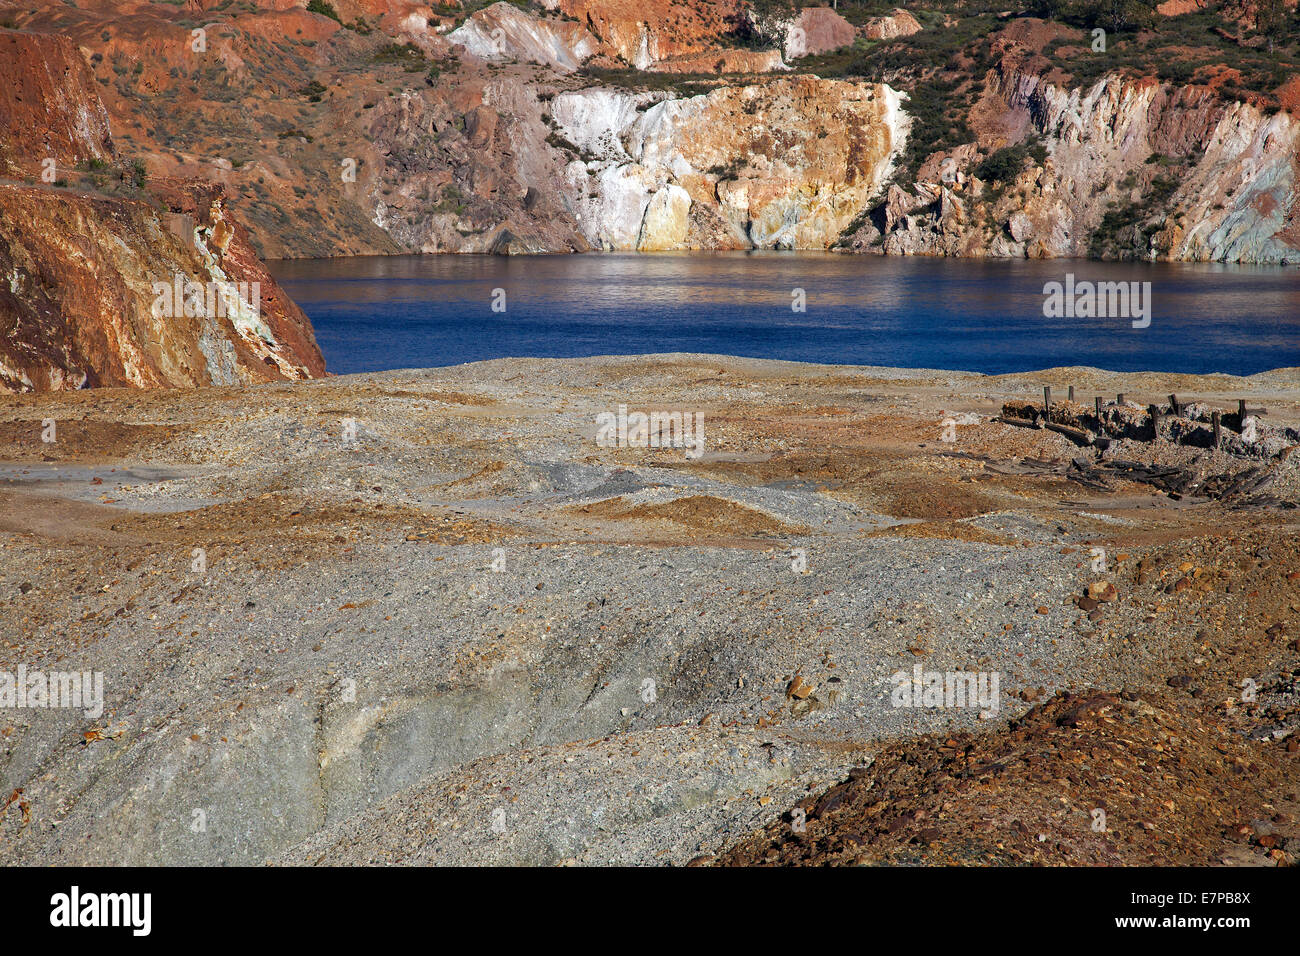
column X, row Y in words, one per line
column 1126, row 228
column 1005, row 165
column 406, row 55
column 324, row 9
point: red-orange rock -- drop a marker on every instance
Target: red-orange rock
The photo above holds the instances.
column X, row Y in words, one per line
column 817, row 30
column 90, row 277
column 48, row 106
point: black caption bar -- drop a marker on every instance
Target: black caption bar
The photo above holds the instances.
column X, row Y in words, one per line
column 140, row 907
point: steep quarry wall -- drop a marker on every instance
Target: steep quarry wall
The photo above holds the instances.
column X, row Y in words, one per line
column 1229, row 170
column 143, row 287
column 48, row 106
column 1240, row 202
column 503, row 31
column 643, row 32
column 468, row 173
column 78, row 305
column 527, row 131
column 721, row 62
column 1234, row 198
column 785, row 164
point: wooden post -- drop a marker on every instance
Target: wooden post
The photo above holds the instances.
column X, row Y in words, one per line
column 1214, row 423
column 1155, row 422
column 1072, row 393
column 1097, row 403
column 1243, row 413
column 1047, row 401
column 1173, row 405
column 1119, row 399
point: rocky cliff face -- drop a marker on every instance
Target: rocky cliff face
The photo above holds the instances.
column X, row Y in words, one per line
column 91, row 296
column 113, row 281
column 48, row 106
column 1226, row 173
column 471, row 172
column 407, row 127
column 786, row 164
column 503, row 31
column 641, row 33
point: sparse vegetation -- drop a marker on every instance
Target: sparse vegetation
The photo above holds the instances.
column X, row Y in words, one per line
column 446, row 64
column 324, row 8
column 728, row 171
column 313, row 91
column 451, row 202
column 557, row 141
column 1005, row 165
column 1188, row 48
column 1125, row 230
column 938, row 123
column 406, row 55
column 137, row 175
column 681, row 84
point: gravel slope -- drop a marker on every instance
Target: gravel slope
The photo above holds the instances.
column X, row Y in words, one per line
column 464, row 631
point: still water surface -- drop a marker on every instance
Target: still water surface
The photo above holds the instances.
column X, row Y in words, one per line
column 384, row 312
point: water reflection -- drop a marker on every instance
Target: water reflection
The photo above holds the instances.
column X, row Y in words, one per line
column 387, row 312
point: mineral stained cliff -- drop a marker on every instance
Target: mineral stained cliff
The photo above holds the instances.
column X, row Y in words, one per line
column 785, row 164
column 115, row 280
column 1234, row 200
column 385, row 126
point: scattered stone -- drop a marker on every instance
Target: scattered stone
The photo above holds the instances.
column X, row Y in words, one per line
column 1102, row 591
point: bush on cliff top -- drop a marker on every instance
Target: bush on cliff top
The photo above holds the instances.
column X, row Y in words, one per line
column 1178, row 50
column 324, row 9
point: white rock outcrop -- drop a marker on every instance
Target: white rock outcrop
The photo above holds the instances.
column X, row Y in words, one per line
column 786, row 164
column 504, row 32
